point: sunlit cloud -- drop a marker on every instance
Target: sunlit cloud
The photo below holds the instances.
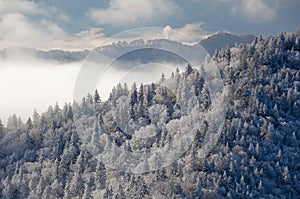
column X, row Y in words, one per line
column 257, row 11
column 19, row 6
column 131, row 12
column 188, row 32
column 17, row 30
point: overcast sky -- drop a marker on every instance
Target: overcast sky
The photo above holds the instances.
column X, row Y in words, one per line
column 77, row 24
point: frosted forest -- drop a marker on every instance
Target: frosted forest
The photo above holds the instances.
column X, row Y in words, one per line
column 83, row 149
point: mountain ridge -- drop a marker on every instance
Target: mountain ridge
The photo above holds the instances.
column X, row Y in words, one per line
column 214, row 42
column 222, row 40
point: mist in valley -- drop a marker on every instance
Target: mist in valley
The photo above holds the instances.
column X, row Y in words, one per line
column 29, row 83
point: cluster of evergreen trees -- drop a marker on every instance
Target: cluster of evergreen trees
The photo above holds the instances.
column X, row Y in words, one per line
column 66, row 152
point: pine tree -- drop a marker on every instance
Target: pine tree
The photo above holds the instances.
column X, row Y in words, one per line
column 36, row 119
column 12, row 122
column 141, row 94
column 228, row 56
column 1, row 130
column 162, row 78
column 101, row 175
column 134, row 97
column 9, row 191
column 76, row 186
column 29, row 124
column 286, row 175
column 97, row 97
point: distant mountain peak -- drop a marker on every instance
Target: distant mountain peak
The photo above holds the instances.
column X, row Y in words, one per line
column 221, row 40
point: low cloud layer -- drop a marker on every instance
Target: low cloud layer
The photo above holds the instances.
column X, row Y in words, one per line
column 29, row 84
column 32, row 83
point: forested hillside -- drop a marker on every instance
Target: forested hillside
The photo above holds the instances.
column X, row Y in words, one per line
column 67, row 151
